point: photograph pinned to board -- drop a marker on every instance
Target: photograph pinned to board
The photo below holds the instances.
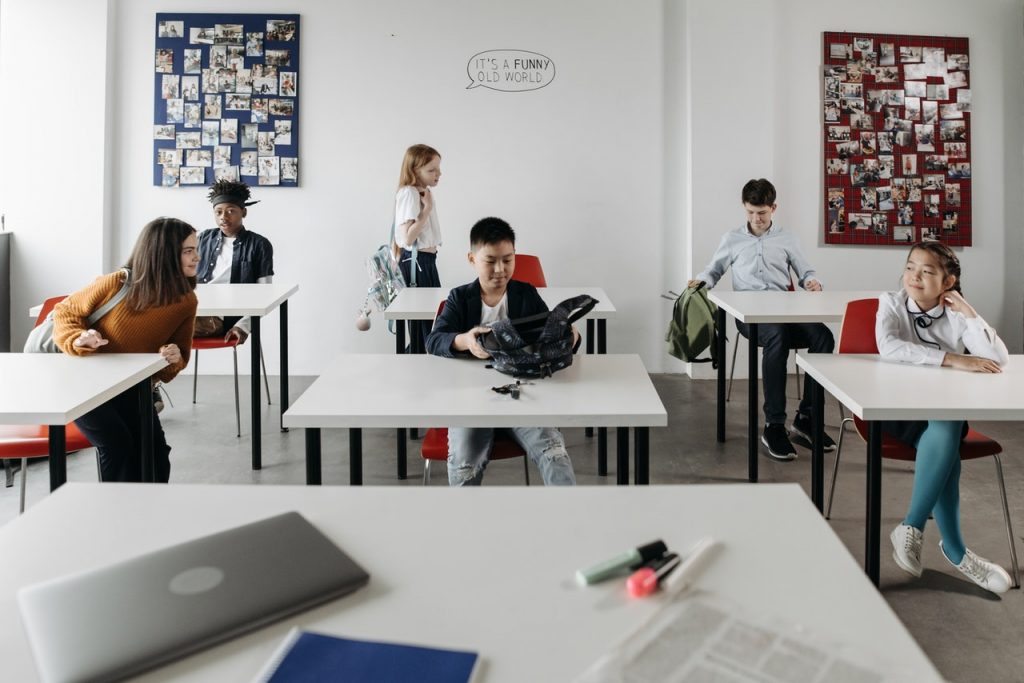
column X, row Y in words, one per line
column 226, row 85
column 896, row 135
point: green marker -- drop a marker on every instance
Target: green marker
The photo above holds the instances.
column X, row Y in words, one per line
column 631, row 559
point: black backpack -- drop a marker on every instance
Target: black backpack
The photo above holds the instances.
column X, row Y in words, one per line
column 538, row 345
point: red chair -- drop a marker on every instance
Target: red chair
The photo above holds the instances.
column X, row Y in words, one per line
column 857, row 335
column 21, row 442
column 435, row 441
column 528, row 269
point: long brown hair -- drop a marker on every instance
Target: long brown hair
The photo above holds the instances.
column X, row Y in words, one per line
column 416, row 157
column 155, row 265
column 948, row 261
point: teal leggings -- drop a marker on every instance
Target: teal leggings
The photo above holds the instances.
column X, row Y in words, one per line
column 937, row 485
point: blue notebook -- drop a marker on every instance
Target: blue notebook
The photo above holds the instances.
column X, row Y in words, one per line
column 315, row 657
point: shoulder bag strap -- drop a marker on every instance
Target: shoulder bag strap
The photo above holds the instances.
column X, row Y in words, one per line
column 114, row 300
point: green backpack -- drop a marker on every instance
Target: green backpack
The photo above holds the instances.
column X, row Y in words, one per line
column 692, row 328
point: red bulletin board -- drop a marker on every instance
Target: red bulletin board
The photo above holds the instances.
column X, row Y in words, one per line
column 897, row 139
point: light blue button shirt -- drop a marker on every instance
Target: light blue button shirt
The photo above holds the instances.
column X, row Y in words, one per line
column 759, row 263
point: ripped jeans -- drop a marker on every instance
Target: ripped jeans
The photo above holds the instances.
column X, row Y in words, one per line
column 469, row 450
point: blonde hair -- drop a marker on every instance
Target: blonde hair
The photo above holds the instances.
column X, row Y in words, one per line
column 416, row 157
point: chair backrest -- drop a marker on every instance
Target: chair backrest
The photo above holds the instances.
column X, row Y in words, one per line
column 857, row 334
column 48, row 306
column 528, row 270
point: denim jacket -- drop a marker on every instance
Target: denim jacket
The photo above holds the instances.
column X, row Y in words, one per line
column 253, row 256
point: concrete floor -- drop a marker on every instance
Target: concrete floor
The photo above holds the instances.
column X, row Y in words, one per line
column 967, row 632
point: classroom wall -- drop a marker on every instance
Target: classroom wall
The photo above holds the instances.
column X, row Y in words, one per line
column 755, row 100
column 574, row 167
column 53, row 194
column 624, row 172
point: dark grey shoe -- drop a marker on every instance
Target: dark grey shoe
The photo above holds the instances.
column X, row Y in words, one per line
column 802, row 430
column 776, row 440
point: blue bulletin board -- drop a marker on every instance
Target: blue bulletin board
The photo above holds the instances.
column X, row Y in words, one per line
column 226, row 99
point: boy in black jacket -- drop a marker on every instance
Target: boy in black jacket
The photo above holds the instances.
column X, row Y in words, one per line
column 493, row 296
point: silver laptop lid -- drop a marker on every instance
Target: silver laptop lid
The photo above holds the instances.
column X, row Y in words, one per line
column 118, row 620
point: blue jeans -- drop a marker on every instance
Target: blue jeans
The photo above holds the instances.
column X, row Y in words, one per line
column 469, row 450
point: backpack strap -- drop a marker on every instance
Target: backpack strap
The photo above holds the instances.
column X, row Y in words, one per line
column 114, row 300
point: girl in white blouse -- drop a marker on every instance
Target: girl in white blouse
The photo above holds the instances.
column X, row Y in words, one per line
column 417, row 230
column 929, row 322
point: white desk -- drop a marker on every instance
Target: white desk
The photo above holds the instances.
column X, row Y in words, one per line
column 876, row 390
column 372, row 390
column 54, row 389
column 256, row 300
column 499, row 581
column 421, row 303
column 754, row 308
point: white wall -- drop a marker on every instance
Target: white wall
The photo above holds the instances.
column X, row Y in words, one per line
column 624, row 172
column 52, row 193
column 574, row 167
column 755, row 111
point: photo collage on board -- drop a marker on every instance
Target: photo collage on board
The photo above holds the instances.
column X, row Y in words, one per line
column 226, row 98
column 896, row 134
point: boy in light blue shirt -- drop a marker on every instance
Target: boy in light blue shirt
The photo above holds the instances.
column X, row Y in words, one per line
column 761, row 256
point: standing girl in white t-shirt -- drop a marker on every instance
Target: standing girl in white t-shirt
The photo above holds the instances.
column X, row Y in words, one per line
column 417, row 227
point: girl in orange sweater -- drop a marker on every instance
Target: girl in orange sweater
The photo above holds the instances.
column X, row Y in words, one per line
column 156, row 316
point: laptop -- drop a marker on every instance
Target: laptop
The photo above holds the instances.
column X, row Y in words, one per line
column 118, row 620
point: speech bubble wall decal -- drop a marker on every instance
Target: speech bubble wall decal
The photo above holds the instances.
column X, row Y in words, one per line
column 510, row 70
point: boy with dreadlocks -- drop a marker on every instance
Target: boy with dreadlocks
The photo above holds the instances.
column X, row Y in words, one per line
column 231, row 253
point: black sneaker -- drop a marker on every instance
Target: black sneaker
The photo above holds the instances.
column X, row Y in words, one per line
column 802, row 430
column 777, row 441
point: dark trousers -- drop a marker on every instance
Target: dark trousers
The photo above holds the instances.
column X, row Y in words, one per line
column 777, row 339
column 426, row 276
column 114, row 428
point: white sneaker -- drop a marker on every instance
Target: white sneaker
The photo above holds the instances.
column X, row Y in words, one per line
column 906, row 548
column 988, row 575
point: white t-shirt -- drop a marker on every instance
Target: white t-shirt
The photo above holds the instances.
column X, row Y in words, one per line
column 407, row 208
column 222, row 263
column 492, row 314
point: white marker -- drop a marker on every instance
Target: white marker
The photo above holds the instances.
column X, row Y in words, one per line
column 683, row 575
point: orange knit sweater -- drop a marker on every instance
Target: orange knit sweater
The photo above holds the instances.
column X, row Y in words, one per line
column 124, row 329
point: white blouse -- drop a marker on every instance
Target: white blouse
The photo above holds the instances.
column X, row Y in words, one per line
column 407, row 208
column 901, row 340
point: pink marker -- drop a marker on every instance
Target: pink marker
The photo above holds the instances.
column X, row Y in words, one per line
column 645, row 580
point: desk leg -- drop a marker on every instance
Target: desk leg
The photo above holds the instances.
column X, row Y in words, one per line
column 622, row 456
column 400, row 433
column 720, row 342
column 874, row 501
column 589, row 431
column 257, row 426
column 417, row 346
column 641, row 449
column 58, row 457
column 403, row 456
column 355, row 456
column 146, row 416
column 817, row 443
column 602, row 432
column 284, row 362
column 313, row 470
column 752, row 404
